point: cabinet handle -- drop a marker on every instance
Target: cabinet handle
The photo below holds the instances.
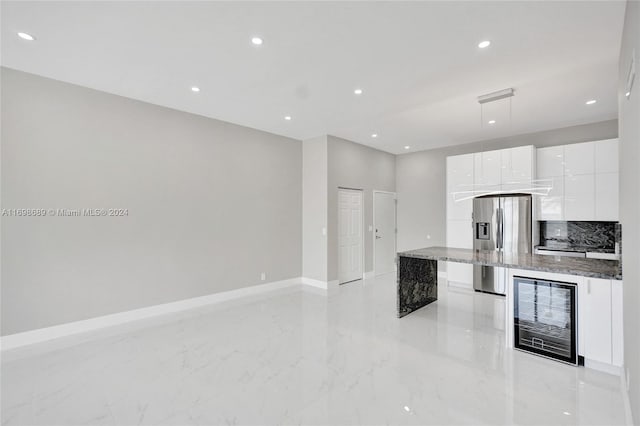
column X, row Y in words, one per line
column 588, row 286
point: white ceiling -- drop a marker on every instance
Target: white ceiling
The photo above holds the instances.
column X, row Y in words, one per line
column 417, row 62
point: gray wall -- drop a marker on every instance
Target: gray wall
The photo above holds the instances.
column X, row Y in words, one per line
column 314, row 208
column 211, row 204
column 629, row 113
column 352, row 165
column 421, row 179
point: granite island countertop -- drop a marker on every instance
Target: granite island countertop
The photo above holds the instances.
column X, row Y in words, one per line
column 594, row 268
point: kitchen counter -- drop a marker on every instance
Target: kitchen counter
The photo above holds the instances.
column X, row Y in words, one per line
column 594, row 268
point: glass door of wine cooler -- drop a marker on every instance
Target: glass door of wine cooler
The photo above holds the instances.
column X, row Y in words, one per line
column 545, row 318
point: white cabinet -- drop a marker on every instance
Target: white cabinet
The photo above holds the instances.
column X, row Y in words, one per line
column 607, row 156
column 579, row 159
column 550, row 171
column 594, row 300
column 459, row 235
column 551, row 206
column 579, row 197
column 550, row 162
column 487, row 170
column 459, row 179
column 617, row 337
column 584, row 181
column 606, row 196
column 517, row 168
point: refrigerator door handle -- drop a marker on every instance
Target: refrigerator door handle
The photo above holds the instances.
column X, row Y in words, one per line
column 499, row 230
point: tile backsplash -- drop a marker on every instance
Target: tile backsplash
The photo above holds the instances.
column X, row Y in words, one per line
column 590, row 235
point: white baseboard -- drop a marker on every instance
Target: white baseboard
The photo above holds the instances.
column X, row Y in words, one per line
column 370, row 274
column 460, row 285
column 314, row 283
column 604, row 367
column 13, row 341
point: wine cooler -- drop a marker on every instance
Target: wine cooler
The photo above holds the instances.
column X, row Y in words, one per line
column 545, row 318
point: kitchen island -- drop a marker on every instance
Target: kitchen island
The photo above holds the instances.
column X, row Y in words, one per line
column 418, row 270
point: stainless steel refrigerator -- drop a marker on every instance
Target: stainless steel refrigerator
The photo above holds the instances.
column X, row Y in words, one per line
column 501, row 223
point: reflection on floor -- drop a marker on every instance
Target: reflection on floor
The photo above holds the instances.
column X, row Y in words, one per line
column 301, row 356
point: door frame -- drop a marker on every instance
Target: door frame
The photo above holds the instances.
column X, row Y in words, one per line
column 362, row 242
column 395, row 236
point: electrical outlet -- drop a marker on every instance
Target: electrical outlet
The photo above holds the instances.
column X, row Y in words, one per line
column 263, row 276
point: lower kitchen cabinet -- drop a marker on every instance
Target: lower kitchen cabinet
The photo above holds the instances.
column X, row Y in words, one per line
column 594, row 300
column 599, row 317
column 617, row 337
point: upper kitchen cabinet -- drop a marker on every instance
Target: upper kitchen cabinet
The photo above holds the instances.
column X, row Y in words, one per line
column 583, row 179
column 516, row 166
column 459, row 179
column 607, row 156
column 579, row 197
column 487, row 174
column 550, row 162
column 579, row 159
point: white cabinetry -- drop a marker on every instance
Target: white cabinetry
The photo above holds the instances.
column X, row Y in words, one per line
column 579, row 159
column 617, row 337
column 606, row 196
column 594, row 299
column 579, row 197
column 599, row 320
column 584, row 181
column 505, row 169
column 487, row 170
column 459, row 179
column 517, row 165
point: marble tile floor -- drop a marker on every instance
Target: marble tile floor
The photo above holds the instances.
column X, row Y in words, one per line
column 304, row 356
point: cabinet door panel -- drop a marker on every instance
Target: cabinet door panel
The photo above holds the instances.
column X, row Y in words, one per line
column 607, row 156
column 579, row 197
column 597, row 320
column 459, row 178
column 550, row 162
column 460, row 235
column 551, row 206
column 606, row 198
column 579, row 158
column 617, row 337
column 487, row 170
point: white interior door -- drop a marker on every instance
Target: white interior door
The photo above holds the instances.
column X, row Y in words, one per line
column 384, row 214
column 350, row 235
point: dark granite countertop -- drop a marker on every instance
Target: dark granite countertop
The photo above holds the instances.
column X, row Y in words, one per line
column 594, row 268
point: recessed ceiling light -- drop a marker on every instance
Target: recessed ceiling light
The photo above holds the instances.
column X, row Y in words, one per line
column 627, row 94
column 374, row 135
column 492, row 121
column 484, row 44
column 566, row 413
column 591, row 102
column 256, row 40
column 287, row 117
column 26, row 36
column 358, row 91
column 195, row 89
column 407, row 147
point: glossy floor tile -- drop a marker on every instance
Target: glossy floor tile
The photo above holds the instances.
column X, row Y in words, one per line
column 301, row 356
